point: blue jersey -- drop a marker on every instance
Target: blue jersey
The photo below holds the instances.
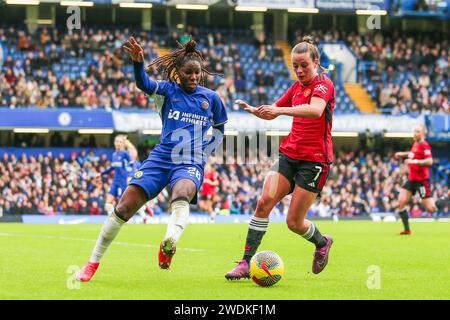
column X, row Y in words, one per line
column 186, row 118
column 120, row 163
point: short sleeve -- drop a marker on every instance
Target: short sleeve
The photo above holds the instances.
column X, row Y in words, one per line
column 286, row 99
column 219, row 111
column 324, row 90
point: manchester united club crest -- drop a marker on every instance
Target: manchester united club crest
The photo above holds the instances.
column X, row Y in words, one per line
column 205, row 105
column 307, row 92
column 138, row 174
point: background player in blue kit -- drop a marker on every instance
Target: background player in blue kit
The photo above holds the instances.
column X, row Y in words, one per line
column 120, row 165
column 187, row 111
column 132, row 169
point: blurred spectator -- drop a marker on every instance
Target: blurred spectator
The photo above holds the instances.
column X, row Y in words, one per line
column 87, row 69
column 359, row 183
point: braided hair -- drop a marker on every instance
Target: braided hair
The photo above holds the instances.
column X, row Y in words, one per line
column 170, row 63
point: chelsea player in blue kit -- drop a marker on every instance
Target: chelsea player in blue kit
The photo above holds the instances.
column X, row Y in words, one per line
column 133, row 167
column 120, row 165
column 188, row 110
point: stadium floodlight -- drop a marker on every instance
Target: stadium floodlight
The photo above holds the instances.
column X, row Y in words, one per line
column 45, row 21
column 152, row 132
column 24, row 2
column 70, row 3
column 345, row 134
column 399, row 135
column 95, row 131
column 303, row 10
column 183, row 6
column 250, row 8
column 31, row 130
column 135, row 5
column 371, row 12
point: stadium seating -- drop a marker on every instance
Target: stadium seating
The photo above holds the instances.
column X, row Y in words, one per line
column 408, row 76
column 70, row 175
column 91, row 60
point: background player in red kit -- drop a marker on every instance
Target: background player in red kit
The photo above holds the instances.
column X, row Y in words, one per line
column 305, row 157
column 208, row 193
column 419, row 159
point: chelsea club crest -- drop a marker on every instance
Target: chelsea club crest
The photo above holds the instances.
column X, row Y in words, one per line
column 205, row 105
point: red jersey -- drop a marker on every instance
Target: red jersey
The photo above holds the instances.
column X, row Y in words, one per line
column 209, row 189
column 310, row 139
column 419, row 150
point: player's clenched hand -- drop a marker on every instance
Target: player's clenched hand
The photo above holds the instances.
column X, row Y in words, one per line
column 253, row 110
column 134, row 49
column 268, row 112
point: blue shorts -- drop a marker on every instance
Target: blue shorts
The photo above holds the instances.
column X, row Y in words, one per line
column 117, row 189
column 155, row 174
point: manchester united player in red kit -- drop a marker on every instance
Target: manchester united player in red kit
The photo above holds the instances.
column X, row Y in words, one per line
column 305, row 157
column 419, row 159
column 208, row 192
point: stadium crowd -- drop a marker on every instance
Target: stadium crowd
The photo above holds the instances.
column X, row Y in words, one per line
column 359, row 184
column 406, row 73
column 87, row 68
column 412, row 72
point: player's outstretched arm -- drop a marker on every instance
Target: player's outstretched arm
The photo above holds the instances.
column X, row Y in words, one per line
column 421, row 162
column 401, row 155
column 255, row 111
column 106, row 171
column 312, row 110
column 133, row 48
column 130, row 147
column 136, row 53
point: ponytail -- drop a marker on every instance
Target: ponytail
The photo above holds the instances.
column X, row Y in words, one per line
column 308, row 45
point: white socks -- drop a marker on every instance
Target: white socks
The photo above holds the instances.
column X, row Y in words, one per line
column 109, row 208
column 178, row 219
column 110, row 229
column 112, row 226
column 310, row 232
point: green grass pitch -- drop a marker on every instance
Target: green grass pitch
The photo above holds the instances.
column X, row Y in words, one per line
column 36, row 263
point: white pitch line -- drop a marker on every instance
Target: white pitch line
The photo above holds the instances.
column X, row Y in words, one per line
column 119, row 243
column 6, row 234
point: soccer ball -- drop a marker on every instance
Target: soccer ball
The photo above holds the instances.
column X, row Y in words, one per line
column 266, row 268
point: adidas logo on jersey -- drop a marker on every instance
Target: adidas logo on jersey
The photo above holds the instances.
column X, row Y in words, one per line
column 312, row 184
column 321, row 88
